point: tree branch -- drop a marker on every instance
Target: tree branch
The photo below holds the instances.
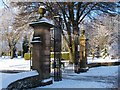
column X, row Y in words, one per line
column 78, row 11
column 87, row 13
column 85, row 6
column 5, row 4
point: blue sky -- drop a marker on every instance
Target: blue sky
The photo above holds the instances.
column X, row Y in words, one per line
column 1, row 4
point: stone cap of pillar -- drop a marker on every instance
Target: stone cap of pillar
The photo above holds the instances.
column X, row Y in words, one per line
column 42, row 22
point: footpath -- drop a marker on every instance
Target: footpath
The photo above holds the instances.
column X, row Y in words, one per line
column 102, row 73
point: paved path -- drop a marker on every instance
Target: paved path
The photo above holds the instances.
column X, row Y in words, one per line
column 111, row 79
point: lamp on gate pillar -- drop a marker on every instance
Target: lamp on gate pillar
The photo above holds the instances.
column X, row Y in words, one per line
column 83, row 52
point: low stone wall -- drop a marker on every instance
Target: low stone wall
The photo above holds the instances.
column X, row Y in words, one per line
column 27, row 83
column 103, row 64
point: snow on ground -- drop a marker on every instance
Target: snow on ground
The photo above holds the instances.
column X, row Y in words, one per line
column 97, row 60
column 102, row 71
column 98, row 77
column 14, row 64
column 6, row 78
column 21, row 64
column 77, row 84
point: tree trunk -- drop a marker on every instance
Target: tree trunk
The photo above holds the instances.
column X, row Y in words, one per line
column 73, row 43
column 12, row 56
column 76, row 52
column 71, row 56
column 76, row 42
column 12, row 52
column 71, row 53
column 70, row 50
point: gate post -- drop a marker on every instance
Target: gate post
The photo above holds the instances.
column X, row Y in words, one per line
column 57, row 49
column 41, row 45
column 83, row 52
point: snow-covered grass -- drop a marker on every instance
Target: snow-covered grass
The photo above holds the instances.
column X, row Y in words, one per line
column 98, row 60
column 22, row 64
column 14, row 64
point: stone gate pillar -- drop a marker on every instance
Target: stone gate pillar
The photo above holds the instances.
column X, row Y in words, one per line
column 41, row 46
column 83, row 53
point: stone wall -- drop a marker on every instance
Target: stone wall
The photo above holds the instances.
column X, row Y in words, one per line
column 28, row 83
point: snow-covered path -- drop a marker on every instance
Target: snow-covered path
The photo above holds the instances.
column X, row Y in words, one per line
column 98, row 77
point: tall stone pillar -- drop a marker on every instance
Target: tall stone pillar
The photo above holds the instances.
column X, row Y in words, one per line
column 83, row 53
column 41, row 46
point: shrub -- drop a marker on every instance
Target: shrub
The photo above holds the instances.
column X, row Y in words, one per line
column 65, row 55
column 27, row 56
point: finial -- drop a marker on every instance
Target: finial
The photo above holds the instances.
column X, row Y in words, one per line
column 42, row 11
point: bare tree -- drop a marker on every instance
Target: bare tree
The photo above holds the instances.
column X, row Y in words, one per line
column 104, row 32
column 10, row 34
column 72, row 13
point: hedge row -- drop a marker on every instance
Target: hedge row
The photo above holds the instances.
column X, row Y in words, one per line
column 65, row 55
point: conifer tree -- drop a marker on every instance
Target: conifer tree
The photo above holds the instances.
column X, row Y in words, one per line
column 25, row 45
